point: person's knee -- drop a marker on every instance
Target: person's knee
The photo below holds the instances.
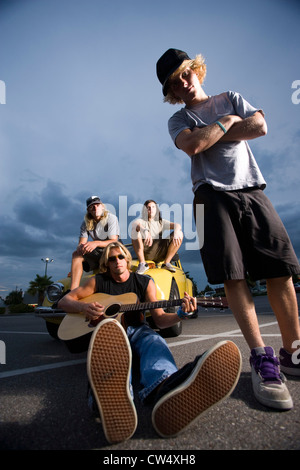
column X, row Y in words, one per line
column 76, row 255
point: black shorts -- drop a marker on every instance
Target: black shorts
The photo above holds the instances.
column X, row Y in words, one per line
column 243, row 234
column 158, row 250
column 92, row 260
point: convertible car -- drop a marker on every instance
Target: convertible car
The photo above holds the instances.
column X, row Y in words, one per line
column 169, row 287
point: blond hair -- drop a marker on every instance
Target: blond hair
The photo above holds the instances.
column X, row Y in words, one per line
column 91, row 223
column 105, row 255
column 197, row 65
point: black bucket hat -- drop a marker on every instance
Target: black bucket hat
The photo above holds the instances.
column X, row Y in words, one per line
column 167, row 64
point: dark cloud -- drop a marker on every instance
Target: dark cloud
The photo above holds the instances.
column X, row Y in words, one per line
column 41, row 223
column 47, row 224
column 290, row 215
column 51, row 210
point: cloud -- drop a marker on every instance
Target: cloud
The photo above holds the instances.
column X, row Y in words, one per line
column 290, row 215
column 40, row 223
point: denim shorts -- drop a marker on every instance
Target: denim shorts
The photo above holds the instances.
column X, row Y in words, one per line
column 243, row 234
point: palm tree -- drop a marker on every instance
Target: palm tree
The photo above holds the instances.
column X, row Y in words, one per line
column 38, row 286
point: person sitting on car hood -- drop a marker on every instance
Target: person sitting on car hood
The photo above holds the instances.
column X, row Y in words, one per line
column 100, row 225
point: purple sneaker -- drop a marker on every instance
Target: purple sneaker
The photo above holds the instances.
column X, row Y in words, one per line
column 290, row 363
column 267, row 381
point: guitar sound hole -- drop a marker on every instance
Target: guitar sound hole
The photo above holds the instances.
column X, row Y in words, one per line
column 112, row 310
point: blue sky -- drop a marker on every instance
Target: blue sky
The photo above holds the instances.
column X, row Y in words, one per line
column 84, row 113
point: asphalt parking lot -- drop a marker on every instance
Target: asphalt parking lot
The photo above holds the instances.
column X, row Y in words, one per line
column 43, row 394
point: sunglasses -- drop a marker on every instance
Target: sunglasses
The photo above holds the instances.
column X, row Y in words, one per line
column 114, row 258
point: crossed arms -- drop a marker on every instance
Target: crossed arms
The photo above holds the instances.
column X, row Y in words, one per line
column 193, row 141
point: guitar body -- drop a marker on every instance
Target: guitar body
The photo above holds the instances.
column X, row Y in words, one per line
column 75, row 325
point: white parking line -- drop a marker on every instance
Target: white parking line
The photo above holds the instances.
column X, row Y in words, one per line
column 25, row 332
column 29, row 370
column 235, row 335
column 192, row 339
column 231, row 333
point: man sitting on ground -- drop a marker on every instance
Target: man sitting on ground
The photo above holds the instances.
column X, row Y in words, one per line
column 179, row 396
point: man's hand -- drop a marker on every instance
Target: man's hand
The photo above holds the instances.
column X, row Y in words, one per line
column 148, row 241
column 88, row 247
column 199, row 139
column 93, row 311
column 189, row 303
column 247, row 129
column 177, row 238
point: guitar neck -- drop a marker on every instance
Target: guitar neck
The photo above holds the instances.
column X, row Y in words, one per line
column 150, row 305
column 171, row 303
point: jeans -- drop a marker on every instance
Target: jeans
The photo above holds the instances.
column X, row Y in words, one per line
column 156, row 360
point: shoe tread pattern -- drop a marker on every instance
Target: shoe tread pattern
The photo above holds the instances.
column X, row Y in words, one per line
column 109, row 368
column 214, row 381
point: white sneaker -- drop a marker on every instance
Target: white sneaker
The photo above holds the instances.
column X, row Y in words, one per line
column 169, row 267
column 267, row 380
column 142, row 268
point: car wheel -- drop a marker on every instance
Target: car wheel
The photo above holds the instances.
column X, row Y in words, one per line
column 174, row 330
column 52, row 329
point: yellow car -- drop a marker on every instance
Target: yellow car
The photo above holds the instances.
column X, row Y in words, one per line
column 169, row 286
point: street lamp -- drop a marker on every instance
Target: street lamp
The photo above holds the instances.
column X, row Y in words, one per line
column 46, row 261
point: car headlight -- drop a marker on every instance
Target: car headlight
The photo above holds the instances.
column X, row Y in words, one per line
column 54, row 291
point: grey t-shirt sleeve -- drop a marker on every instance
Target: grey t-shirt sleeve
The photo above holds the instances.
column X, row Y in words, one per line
column 241, row 106
column 179, row 122
column 83, row 233
column 113, row 225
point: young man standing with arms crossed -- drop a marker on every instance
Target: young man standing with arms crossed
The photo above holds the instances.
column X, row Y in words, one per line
column 242, row 231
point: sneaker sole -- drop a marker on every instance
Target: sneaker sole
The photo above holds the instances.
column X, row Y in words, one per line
column 171, row 270
column 142, row 271
column 212, row 380
column 108, row 368
column 290, row 371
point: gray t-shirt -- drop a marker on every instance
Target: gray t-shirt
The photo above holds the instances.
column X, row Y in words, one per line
column 155, row 227
column 226, row 165
column 103, row 231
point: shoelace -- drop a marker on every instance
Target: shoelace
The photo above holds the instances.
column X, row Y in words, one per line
column 268, row 367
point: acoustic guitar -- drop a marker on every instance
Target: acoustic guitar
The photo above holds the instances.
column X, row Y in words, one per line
column 75, row 325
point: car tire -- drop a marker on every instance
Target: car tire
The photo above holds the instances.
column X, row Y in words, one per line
column 52, row 329
column 174, row 330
